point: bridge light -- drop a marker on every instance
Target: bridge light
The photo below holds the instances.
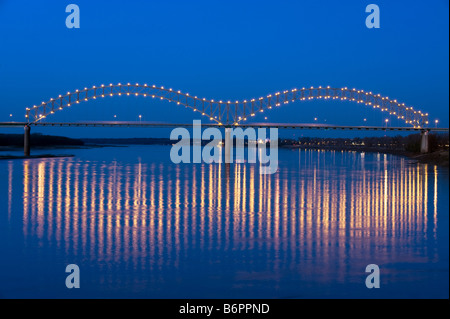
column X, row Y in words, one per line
column 162, row 87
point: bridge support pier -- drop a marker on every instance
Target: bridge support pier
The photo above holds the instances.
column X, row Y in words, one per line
column 424, row 142
column 228, row 145
column 26, row 140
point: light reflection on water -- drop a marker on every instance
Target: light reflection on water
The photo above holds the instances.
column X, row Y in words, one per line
column 156, row 229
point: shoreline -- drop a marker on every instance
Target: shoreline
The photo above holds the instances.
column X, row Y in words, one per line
column 439, row 157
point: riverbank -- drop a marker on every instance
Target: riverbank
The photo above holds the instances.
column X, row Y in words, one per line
column 439, row 157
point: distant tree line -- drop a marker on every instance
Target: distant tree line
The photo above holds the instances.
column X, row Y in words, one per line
column 38, row 139
column 410, row 143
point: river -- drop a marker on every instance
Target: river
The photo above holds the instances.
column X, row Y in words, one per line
column 139, row 226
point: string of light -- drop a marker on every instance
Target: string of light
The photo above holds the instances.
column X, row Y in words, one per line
column 229, row 112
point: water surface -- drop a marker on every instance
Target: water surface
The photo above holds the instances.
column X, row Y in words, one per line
column 138, row 225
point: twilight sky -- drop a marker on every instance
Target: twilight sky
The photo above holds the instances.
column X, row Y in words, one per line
column 222, row 50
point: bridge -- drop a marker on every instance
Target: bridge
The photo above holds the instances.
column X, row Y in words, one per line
column 226, row 113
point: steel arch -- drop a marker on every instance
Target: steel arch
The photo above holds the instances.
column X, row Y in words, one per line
column 229, row 112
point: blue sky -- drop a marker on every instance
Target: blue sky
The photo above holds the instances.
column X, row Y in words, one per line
column 222, row 50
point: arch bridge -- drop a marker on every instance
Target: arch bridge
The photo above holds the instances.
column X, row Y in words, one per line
column 229, row 113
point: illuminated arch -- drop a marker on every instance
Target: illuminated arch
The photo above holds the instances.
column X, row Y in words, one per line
column 229, row 112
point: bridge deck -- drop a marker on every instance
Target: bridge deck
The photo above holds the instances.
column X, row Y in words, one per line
column 262, row 125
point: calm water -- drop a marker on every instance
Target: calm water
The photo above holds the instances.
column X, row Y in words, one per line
column 139, row 226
